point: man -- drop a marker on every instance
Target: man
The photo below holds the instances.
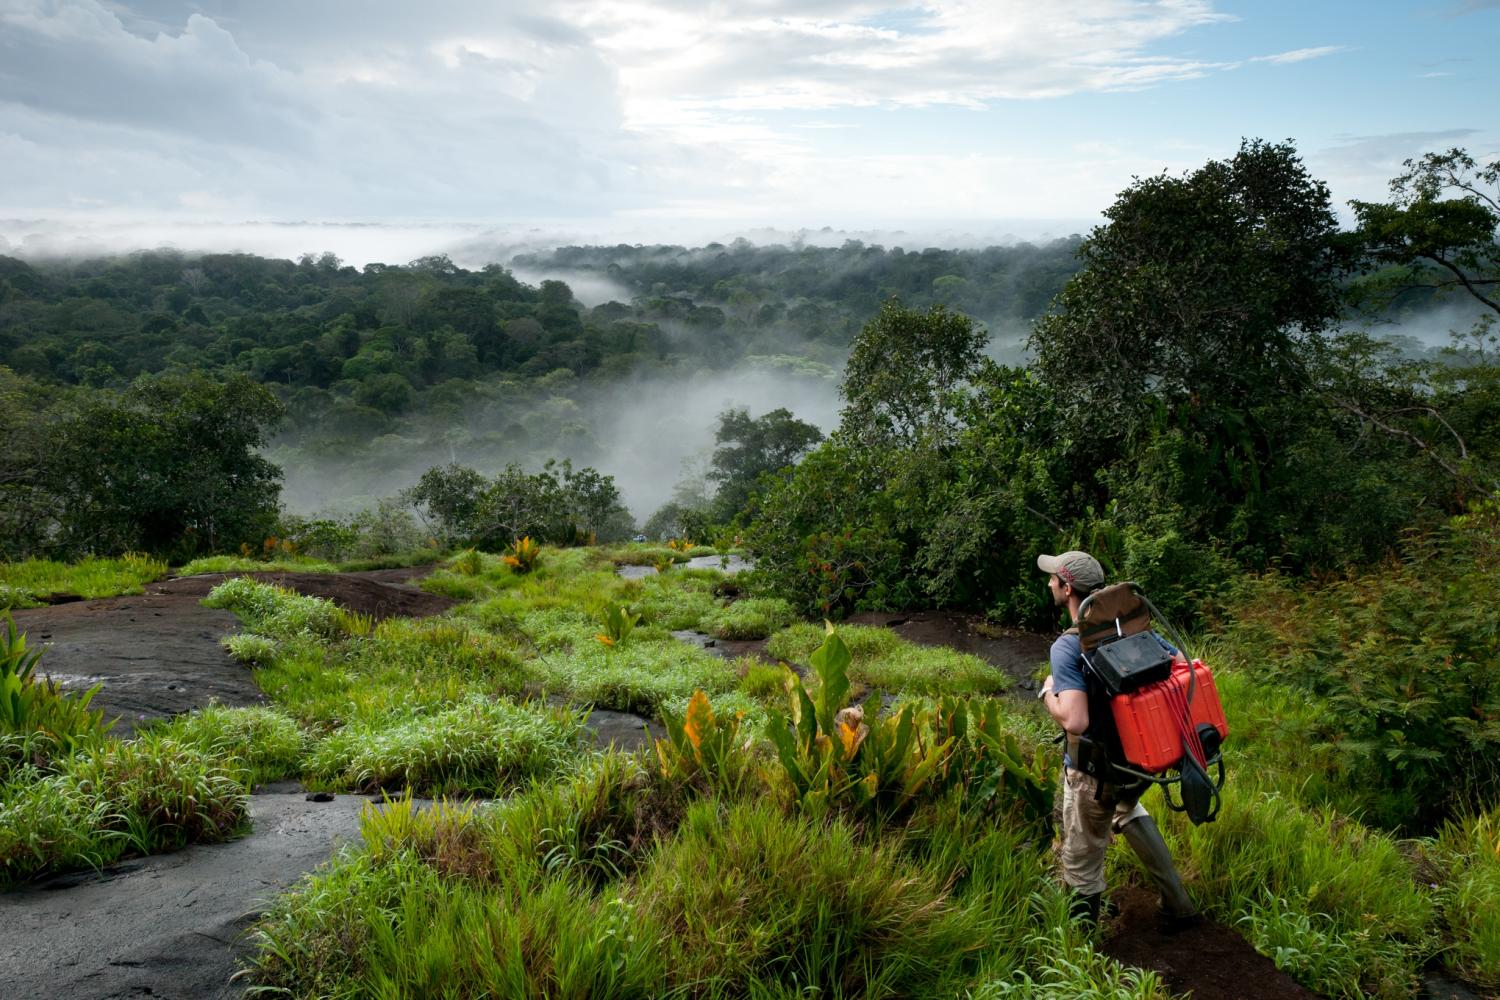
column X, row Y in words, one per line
column 1091, row 813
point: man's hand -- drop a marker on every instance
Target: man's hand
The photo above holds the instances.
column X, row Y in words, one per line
column 1046, row 687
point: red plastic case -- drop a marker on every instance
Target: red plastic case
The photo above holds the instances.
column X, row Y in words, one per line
column 1148, row 733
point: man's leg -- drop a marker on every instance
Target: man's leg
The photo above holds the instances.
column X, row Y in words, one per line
column 1085, row 838
column 1140, row 832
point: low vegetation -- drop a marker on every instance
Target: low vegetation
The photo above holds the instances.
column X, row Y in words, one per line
column 35, row 582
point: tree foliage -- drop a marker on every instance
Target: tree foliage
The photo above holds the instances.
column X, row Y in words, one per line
column 1439, row 232
column 750, row 447
column 904, row 368
column 1200, row 290
column 170, row 466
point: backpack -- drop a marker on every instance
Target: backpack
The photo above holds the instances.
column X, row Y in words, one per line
column 1165, row 723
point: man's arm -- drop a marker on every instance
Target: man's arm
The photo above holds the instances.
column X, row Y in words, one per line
column 1069, row 709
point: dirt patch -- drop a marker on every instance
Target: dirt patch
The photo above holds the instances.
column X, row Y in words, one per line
column 1209, row 959
column 157, row 654
column 1015, row 652
column 169, row 925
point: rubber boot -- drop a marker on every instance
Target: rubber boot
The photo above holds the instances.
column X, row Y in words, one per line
column 1145, row 839
column 1085, row 908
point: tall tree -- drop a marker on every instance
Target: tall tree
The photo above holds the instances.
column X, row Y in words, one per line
column 1439, row 231
column 750, row 447
column 903, row 369
column 1200, row 289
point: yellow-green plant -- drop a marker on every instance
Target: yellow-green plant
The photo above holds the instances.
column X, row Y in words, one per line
column 468, row 562
column 837, row 756
column 662, row 563
column 522, row 555
column 618, row 624
column 989, row 764
column 38, row 706
column 355, row 623
column 705, row 749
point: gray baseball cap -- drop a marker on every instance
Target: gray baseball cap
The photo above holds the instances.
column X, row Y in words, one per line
column 1077, row 568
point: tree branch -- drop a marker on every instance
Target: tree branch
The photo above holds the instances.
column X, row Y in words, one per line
column 1398, row 432
column 1464, row 280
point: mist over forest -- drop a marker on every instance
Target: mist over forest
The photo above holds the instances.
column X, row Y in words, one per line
column 619, row 358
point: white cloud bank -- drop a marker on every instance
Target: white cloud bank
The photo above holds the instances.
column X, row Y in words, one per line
column 619, row 109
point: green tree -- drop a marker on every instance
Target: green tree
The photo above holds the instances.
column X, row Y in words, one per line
column 1200, row 291
column 751, row 447
column 170, row 466
column 904, row 368
column 448, row 497
column 1440, row 231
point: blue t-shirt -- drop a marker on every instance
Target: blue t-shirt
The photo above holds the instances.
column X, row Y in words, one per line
column 1067, row 661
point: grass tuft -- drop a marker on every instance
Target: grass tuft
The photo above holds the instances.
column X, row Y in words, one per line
column 477, row 747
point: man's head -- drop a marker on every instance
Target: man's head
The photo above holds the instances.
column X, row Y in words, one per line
column 1073, row 576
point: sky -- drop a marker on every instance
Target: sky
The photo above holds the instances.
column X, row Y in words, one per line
column 393, row 125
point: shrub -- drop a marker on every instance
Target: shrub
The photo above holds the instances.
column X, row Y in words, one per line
column 704, row 749
column 38, row 719
column 1405, row 664
column 522, row 555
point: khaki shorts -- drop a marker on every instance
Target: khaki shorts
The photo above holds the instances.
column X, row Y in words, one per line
column 1087, row 825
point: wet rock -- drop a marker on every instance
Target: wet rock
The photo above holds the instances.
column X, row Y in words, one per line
column 170, row 925
column 622, row 730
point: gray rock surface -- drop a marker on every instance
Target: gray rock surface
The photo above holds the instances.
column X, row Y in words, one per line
column 170, row 925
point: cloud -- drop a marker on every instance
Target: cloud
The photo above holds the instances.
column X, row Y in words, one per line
column 1301, row 55
column 1361, row 166
column 678, row 60
column 473, row 111
column 318, row 116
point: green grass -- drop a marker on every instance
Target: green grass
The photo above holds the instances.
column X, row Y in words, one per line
column 477, row 747
column 277, row 612
column 882, row 659
column 1319, row 874
column 141, row 796
column 755, row 898
column 1462, row 866
column 205, row 565
column 255, row 745
column 30, row 583
column 751, row 618
column 601, row 876
column 638, row 676
column 305, row 564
